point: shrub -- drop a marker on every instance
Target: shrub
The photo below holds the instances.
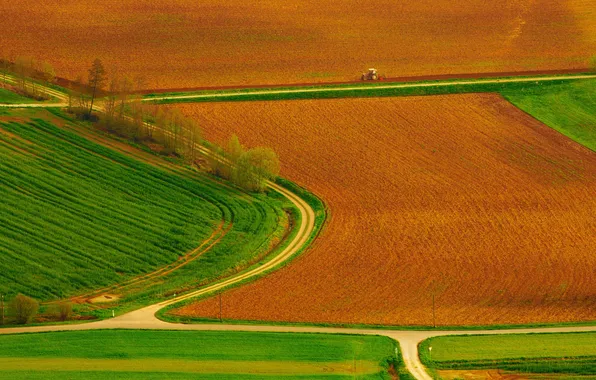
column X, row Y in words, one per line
column 64, row 310
column 24, row 308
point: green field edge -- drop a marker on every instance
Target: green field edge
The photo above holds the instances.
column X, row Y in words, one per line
column 391, row 364
column 136, row 304
column 522, row 364
column 321, row 214
column 364, row 84
column 455, row 328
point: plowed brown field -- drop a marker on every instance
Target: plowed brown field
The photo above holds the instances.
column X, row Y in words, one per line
column 464, row 196
column 187, row 43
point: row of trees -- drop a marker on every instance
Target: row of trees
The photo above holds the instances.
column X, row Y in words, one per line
column 249, row 169
column 126, row 115
column 28, row 73
column 24, row 309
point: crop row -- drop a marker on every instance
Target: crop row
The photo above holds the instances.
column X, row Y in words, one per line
column 77, row 216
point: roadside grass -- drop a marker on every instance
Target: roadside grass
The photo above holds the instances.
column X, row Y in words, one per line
column 569, row 108
column 190, row 354
column 564, row 353
column 168, row 313
column 110, row 218
column 441, row 87
column 9, row 97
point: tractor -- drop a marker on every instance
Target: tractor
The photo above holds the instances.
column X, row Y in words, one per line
column 371, row 75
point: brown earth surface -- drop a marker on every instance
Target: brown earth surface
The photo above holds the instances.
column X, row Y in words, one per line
column 191, row 43
column 472, row 374
column 463, row 196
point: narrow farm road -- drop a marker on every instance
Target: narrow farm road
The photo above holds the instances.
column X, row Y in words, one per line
column 299, row 90
column 34, row 105
column 145, row 318
column 44, row 90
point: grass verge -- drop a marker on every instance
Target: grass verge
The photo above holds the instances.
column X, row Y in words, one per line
column 568, row 353
column 320, row 210
column 569, row 108
column 378, row 89
column 188, row 354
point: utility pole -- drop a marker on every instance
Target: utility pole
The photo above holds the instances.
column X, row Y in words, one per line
column 220, row 317
column 434, row 323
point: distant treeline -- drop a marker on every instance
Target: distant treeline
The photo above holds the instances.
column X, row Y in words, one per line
column 28, row 73
column 164, row 128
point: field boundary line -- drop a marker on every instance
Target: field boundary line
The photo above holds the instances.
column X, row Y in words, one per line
column 298, row 90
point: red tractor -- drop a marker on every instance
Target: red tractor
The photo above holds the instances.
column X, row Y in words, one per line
column 371, row 75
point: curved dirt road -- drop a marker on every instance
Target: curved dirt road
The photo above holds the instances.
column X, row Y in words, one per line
column 408, row 340
column 145, row 318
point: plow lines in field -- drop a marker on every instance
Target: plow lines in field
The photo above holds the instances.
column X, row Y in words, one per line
column 240, row 43
column 77, row 216
column 464, row 197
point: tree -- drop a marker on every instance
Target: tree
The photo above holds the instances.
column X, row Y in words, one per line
column 192, row 138
column 110, row 104
column 126, row 86
column 97, row 79
column 64, row 310
column 235, row 149
column 265, row 163
column 255, row 167
column 218, row 167
column 83, row 97
column 24, row 308
column 22, row 71
column 232, row 154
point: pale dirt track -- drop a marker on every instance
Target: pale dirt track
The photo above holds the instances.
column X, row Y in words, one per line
column 145, row 318
column 375, row 87
column 408, row 340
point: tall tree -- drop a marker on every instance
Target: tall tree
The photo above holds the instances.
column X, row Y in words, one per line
column 97, row 79
column 192, row 137
column 255, row 167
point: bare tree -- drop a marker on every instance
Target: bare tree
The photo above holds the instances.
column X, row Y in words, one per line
column 82, row 96
column 110, row 103
column 192, row 138
column 97, row 79
column 21, row 68
column 48, row 73
column 126, row 87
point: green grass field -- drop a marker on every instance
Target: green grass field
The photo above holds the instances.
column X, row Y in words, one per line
column 9, row 97
column 570, row 353
column 77, row 216
column 570, row 108
column 194, row 355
